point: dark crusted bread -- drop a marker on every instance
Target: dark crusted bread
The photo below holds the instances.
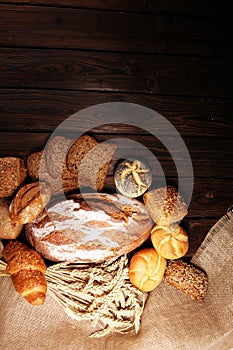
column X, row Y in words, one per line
column 78, row 151
column 8, row 228
column 95, row 165
column 12, row 175
column 101, row 227
column 33, row 165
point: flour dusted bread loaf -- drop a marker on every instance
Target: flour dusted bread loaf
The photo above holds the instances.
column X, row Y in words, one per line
column 90, row 229
column 165, row 205
column 8, row 228
column 12, row 175
column 171, row 242
column 29, row 202
column 27, row 269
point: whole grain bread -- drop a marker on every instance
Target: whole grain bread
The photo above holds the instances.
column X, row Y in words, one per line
column 95, row 165
column 33, row 164
column 55, row 155
column 8, row 228
column 78, row 151
column 12, row 174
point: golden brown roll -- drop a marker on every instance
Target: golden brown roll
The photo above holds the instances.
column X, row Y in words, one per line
column 165, row 205
column 170, row 242
column 29, row 202
column 27, row 269
column 146, row 269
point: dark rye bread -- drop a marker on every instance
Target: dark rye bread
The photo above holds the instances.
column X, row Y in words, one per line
column 95, row 165
column 12, row 174
column 55, row 155
column 37, row 170
column 78, row 151
column 90, row 229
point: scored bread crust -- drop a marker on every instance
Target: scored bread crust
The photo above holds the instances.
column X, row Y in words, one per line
column 29, row 202
column 98, row 228
column 12, row 174
column 8, row 228
column 165, row 205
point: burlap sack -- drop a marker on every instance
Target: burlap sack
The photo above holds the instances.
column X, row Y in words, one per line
column 170, row 320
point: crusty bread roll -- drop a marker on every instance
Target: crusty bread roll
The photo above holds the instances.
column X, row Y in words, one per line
column 90, row 229
column 12, row 175
column 165, row 205
column 29, row 202
column 27, row 269
column 8, row 228
column 1, row 248
column 146, row 269
column 132, row 178
column 187, row 278
column 170, row 242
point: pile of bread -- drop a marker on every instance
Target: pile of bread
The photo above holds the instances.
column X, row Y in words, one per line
column 90, row 226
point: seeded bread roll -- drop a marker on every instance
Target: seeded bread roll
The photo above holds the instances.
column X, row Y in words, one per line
column 29, row 202
column 8, row 228
column 146, row 269
column 170, row 242
column 165, row 205
column 12, row 175
column 187, row 278
column 33, row 164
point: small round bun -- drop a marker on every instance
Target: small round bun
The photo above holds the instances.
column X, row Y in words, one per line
column 170, row 242
column 165, row 205
column 132, row 179
column 29, row 202
column 146, row 269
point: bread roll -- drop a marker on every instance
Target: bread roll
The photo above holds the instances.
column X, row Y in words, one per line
column 27, row 269
column 12, row 175
column 170, row 242
column 29, row 202
column 1, row 248
column 132, row 179
column 165, row 205
column 91, row 229
column 8, row 228
column 187, row 278
column 146, row 269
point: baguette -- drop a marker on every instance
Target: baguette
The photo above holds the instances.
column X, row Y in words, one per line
column 27, row 269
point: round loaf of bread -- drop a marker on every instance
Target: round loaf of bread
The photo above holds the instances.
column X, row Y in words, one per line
column 165, row 205
column 146, row 269
column 170, row 242
column 92, row 228
column 29, row 202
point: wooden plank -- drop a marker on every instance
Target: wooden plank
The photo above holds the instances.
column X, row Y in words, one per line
column 43, row 110
column 197, row 7
column 78, row 70
column 210, row 157
column 38, row 26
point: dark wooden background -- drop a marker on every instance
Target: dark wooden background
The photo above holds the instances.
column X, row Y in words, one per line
column 58, row 57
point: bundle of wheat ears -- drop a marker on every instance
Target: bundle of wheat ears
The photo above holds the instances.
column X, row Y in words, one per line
column 101, row 293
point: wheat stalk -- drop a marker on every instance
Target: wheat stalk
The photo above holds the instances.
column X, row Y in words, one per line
column 101, row 293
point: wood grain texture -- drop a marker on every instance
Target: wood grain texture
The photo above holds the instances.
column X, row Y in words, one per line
column 78, row 70
column 183, row 7
column 210, row 157
column 42, row 110
column 38, row 26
